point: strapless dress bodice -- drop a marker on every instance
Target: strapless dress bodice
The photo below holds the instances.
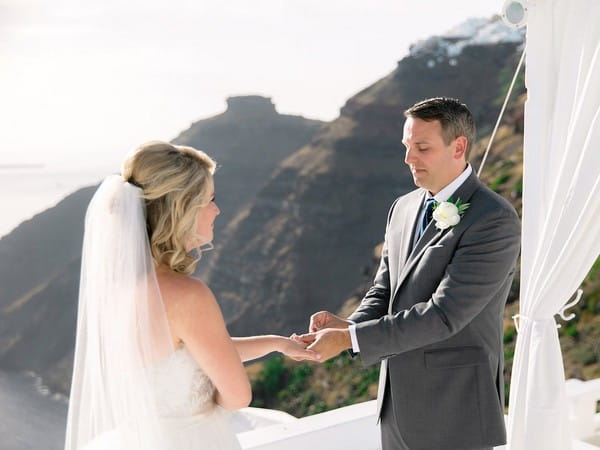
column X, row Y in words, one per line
column 181, row 387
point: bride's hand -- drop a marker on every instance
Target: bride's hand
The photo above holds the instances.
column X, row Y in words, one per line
column 295, row 348
column 303, row 338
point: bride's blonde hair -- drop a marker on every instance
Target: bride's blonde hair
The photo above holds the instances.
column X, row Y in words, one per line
column 175, row 181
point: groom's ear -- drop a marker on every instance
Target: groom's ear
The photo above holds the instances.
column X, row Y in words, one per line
column 460, row 147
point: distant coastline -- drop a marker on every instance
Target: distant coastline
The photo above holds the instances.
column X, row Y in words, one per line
column 22, row 166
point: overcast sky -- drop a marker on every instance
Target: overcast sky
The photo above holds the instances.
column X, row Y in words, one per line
column 84, row 81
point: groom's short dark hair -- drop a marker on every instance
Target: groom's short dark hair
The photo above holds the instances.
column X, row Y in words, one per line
column 454, row 116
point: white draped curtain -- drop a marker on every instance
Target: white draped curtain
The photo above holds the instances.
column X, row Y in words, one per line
column 561, row 208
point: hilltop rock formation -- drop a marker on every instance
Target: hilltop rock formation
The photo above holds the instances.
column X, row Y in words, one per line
column 248, row 140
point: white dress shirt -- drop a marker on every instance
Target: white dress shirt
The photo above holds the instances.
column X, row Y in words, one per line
column 441, row 196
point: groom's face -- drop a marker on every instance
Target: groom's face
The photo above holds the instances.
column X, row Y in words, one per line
column 433, row 163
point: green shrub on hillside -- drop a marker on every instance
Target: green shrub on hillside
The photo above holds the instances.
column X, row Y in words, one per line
column 303, row 388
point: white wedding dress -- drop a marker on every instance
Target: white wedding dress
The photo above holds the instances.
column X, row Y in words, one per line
column 190, row 418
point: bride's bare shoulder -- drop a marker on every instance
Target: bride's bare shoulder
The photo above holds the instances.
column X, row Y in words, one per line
column 181, row 291
column 192, row 310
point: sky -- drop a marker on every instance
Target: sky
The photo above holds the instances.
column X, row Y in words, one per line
column 82, row 82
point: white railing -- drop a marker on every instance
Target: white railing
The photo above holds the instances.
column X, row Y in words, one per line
column 583, row 401
column 354, row 427
column 341, row 429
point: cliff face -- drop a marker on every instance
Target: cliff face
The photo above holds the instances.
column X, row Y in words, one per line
column 303, row 243
column 39, row 276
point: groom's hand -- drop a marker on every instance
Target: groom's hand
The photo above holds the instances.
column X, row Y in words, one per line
column 329, row 342
column 325, row 319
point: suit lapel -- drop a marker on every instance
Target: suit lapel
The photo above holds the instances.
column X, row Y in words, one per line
column 431, row 235
column 410, row 222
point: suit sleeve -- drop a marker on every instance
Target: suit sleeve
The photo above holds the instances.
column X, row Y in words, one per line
column 480, row 266
column 376, row 301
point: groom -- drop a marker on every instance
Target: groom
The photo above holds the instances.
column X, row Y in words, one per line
column 433, row 316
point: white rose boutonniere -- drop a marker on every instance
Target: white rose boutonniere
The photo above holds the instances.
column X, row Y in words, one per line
column 447, row 214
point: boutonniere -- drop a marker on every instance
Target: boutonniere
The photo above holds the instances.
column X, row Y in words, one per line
column 447, row 214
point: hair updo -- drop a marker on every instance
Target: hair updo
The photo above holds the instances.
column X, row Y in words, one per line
column 175, row 181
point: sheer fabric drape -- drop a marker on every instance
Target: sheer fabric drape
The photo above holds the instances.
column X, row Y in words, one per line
column 561, row 207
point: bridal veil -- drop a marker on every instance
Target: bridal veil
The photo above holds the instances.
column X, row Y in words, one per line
column 122, row 328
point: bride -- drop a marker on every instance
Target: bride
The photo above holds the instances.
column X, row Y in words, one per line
column 155, row 367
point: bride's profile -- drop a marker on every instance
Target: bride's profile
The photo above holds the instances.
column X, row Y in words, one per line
column 155, row 367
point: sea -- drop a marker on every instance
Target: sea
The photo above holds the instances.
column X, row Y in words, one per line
column 31, row 417
column 26, row 191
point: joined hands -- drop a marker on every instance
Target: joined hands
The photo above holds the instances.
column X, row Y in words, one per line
column 327, row 337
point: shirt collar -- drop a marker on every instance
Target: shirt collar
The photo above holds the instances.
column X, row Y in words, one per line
column 445, row 193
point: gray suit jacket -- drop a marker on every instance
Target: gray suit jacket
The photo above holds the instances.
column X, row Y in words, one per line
column 434, row 318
